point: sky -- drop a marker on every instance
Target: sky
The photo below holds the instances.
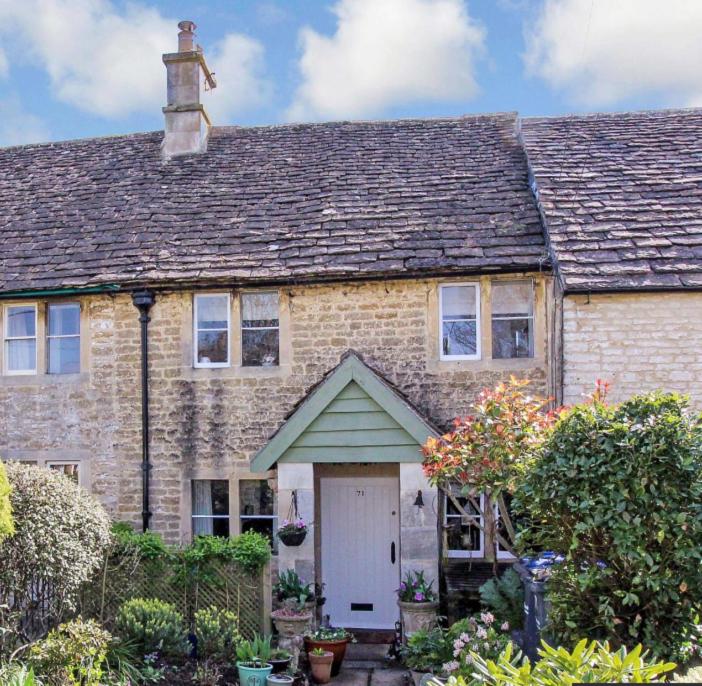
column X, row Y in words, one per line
column 83, row 68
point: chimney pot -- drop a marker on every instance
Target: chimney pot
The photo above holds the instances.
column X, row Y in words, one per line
column 186, row 36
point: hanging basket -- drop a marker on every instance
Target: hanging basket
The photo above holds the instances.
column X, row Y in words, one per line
column 292, row 539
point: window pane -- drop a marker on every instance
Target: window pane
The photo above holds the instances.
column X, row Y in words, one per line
column 512, row 338
column 462, row 533
column 212, row 311
column 259, row 309
column 458, row 302
column 22, row 355
column 64, row 355
column 64, row 319
column 459, row 338
column 512, row 299
column 259, row 348
column 210, row 501
column 212, row 347
column 70, row 470
column 21, row 321
column 256, row 498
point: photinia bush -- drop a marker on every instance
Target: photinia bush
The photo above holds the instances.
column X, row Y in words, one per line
column 618, row 490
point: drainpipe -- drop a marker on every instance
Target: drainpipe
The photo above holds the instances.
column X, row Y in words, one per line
column 143, row 300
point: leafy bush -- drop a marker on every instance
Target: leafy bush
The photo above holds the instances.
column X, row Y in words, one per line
column 504, row 597
column 72, row 654
column 252, row 550
column 217, row 633
column 7, row 526
column 587, row 663
column 291, row 587
column 149, row 544
column 618, row 490
column 17, row 674
column 60, row 535
column 152, row 626
column 427, row 650
column 477, row 635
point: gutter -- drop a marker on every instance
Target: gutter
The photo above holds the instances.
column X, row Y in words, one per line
column 39, row 292
column 143, row 301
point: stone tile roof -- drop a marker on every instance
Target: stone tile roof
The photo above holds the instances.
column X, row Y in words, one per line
column 266, row 204
column 621, row 197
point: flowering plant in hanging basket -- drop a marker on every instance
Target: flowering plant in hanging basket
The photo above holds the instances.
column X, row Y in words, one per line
column 292, row 532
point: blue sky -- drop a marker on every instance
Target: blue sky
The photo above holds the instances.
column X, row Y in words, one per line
column 78, row 68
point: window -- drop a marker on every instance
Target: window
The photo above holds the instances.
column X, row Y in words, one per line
column 212, row 319
column 21, row 339
column 210, row 507
column 501, row 553
column 70, row 469
column 63, row 339
column 257, row 509
column 259, row 330
column 459, row 308
column 512, row 319
column 464, row 538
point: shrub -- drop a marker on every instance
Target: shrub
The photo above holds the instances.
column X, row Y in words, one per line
column 152, row 626
column 72, row 654
column 17, row 674
column 587, row 663
column 217, row 633
column 149, row 544
column 60, row 535
column 7, row 526
column 618, row 490
column 252, row 551
column 504, row 597
column 476, row 635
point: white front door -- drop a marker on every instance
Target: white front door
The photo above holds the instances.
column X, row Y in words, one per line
column 360, row 523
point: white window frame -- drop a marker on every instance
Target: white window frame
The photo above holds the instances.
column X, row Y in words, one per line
column 212, row 365
column 500, row 554
column 243, row 328
column 480, row 553
column 49, row 336
column 6, row 338
column 476, row 286
column 502, row 318
column 59, row 463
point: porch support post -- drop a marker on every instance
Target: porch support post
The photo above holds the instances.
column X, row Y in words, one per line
column 418, row 525
column 299, row 478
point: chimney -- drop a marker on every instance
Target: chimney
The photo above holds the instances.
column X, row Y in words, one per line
column 187, row 124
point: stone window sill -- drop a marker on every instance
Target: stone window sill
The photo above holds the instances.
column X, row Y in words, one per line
column 44, row 379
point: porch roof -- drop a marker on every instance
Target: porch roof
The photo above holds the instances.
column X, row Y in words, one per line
column 353, row 415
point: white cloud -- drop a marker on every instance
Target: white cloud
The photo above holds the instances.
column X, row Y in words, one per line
column 17, row 126
column 101, row 59
column 385, row 53
column 601, row 52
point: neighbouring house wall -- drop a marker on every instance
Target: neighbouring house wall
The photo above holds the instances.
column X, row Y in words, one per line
column 208, row 423
column 639, row 342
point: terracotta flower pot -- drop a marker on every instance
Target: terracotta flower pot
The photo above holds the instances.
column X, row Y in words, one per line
column 321, row 666
column 337, row 648
column 416, row 616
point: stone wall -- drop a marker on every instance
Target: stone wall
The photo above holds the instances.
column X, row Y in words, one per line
column 639, row 342
column 207, row 423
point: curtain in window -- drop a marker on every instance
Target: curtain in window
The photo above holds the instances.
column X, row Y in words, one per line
column 202, row 505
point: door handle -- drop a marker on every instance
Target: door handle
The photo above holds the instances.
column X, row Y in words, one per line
column 392, row 552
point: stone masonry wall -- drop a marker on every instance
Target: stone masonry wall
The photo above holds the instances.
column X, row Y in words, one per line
column 207, row 423
column 639, row 342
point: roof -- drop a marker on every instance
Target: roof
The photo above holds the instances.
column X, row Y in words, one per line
column 621, row 197
column 353, row 415
column 270, row 204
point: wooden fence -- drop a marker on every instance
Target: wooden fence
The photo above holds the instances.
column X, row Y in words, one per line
column 223, row 585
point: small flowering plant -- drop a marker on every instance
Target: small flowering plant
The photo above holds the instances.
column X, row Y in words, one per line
column 416, row 589
column 292, row 526
column 477, row 635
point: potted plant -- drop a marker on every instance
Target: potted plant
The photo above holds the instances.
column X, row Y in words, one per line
column 321, row 664
column 418, row 604
column 252, row 661
column 280, row 680
column 292, row 532
column 332, row 640
column 292, row 590
column 280, row 660
column 425, row 653
column 290, row 622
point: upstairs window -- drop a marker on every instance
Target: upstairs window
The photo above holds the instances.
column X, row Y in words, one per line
column 210, row 507
column 260, row 330
column 21, row 339
column 459, row 311
column 212, row 321
column 512, row 319
column 63, row 338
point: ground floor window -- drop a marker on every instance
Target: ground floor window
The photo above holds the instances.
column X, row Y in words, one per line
column 258, row 509
column 464, row 537
column 210, row 507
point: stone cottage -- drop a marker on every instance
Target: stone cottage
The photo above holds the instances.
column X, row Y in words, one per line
column 206, row 323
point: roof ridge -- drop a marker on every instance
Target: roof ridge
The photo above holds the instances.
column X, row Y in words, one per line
column 614, row 115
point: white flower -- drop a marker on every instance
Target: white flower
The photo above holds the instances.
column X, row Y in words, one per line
column 487, row 618
column 505, row 626
column 480, row 632
column 458, row 644
column 465, row 638
column 450, row 666
column 469, row 659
